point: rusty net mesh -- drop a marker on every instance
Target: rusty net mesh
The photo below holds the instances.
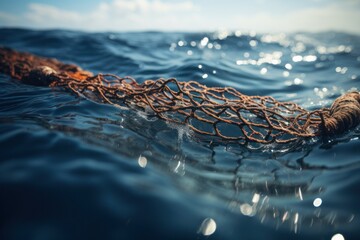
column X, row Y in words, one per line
column 221, row 112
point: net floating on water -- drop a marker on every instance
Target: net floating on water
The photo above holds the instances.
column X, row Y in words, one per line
column 221, row 112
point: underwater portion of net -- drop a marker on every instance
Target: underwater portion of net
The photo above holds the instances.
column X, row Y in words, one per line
column 220, row 112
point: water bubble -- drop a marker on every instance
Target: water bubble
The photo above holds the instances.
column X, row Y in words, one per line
column 253, row 43
column 298, row 81
column 297, row 58
column 310, row 58
column 341, row 48
column 181, row 43
column 317, row 202
column 338, row 236
column 263, row 71
column 142, row 161
column 288, row 66
column 205, row 76
column 240, row 62
column 208, row 227
column 204, row 41
column 286, row 73
column 256, row 198
column 246, row 209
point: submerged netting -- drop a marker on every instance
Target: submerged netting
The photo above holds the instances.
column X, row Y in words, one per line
column 221, row 112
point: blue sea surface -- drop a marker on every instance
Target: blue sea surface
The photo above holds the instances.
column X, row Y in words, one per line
column 72, row 168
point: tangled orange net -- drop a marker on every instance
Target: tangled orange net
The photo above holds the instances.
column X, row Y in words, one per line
column 221, row 112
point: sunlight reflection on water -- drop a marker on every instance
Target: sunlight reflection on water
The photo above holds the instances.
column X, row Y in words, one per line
column 296, row 188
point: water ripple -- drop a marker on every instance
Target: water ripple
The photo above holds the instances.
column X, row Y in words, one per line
column 131, row 170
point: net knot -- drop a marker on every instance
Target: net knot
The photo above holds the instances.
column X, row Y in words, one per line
column 344, row 114
column 40, row 76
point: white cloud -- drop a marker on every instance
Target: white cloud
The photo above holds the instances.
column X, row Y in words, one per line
column 328, row 18
column 124, row 15
column 49, row 16
column 151, row 6
column 118, row 15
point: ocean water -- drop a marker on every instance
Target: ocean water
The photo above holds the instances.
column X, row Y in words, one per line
column 71, row 168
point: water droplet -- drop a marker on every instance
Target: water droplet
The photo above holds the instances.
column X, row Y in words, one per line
column 240, row 62
column 142, row 161
column 310, row 58
column 298, row 81
column 288, row 66
column 204, row 41
column 297, row 58
column 317, row 202
column 263, row 71
column 208, row 227
column 338, row 236
column 253, row 43
column 246, row 209
column 256, row 198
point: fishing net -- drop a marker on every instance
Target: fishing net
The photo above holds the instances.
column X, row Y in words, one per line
column 220, row 112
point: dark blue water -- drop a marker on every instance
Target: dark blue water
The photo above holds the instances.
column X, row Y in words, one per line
column 71, row 168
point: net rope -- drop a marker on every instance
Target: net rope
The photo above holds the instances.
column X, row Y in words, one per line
column 221, row 112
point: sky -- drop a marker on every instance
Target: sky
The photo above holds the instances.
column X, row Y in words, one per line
column 266, row 16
